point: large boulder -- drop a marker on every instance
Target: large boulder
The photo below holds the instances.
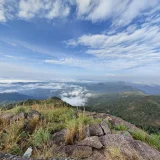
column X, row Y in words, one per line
column 59, row 137
column 96, row 130
column 18, row 117
column 127, row 148
column 32, row 114
column 105, row 127
column 6, row 116
column 91, row 142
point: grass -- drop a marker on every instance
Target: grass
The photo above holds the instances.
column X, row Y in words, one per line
column 39, row 137
column 77, row 125
column 120, row 128
column 152, row 140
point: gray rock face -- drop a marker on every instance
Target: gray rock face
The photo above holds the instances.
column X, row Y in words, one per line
column 59, row 137
column 97, row 155
column 128, row 147
column 105, row 127
column 33, row 114
column 12, row 157
column 91, row 142
column 6, row 116
column 18, row 117
column 95, row 130
column 80, row 152
column 125, row 133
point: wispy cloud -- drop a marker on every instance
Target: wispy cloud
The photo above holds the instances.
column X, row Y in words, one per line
column 141, row 46
column 90, row 10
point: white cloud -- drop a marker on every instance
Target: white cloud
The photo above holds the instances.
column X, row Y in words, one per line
column 77, row 96
column 120, row 12
column 102, row 11
column 141, row 44
column 58, row 9
column 29, row 8
column 43, row 9
column 2, row 11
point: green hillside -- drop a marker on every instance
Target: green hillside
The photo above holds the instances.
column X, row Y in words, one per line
column 137, row 108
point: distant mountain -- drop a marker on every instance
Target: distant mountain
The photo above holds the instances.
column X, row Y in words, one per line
column 135, row 107
column 147, row 89
column 12, row 97
column 109, row 87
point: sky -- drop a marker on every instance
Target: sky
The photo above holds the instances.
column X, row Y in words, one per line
column 101, row 40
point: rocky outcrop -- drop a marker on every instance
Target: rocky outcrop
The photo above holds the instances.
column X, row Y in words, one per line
column 128, row 148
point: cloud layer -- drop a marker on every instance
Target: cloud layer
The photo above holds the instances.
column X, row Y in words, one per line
column 92, row 10
column 73, row 94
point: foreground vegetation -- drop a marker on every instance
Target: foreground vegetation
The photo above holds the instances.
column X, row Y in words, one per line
column 55, row 116
column 48, row 117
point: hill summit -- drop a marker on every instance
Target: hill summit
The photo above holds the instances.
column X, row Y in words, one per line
column 57, row 130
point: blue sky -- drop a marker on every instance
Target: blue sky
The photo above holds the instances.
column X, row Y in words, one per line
column 80, row 39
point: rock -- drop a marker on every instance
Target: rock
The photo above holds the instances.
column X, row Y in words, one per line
column 18, row 117
column 6, row 116
column 115, row 121
column 97, row 155
column 86, row 131
column 33, row 114
column 125, row 133
column 105, row 127
column 59, row 137
column 4, row 156
column 91, row 142
column 80, row 152
column 128, row 148
column 95, row 130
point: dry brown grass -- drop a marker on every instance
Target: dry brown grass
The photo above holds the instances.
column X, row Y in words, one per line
column 11, row 135
column 71, row 132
